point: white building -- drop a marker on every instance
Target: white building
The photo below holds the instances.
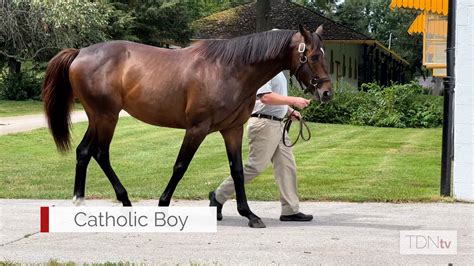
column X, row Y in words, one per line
column 463, row 181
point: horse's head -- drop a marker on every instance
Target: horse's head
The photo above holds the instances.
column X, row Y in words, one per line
column 308, row 63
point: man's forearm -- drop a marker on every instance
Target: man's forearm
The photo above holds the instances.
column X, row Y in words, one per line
column 276, row 99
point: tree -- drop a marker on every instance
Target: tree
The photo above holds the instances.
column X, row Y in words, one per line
column 160, row 23
column 31, row 30
column 263, row 20
column 325, row 7
column 356, row 14
column 206, row 8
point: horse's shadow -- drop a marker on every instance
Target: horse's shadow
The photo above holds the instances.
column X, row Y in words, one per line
column 337, row 220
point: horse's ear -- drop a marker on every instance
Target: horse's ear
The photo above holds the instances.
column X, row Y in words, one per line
column 320, row 30
column 305, row 33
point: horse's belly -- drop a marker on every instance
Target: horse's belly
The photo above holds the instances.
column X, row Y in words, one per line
column 156, row 115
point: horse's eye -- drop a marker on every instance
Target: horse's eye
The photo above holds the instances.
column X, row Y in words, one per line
column 315, row 57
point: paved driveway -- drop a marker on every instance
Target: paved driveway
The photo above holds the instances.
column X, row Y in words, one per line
column 23, row 123
column 342, row 233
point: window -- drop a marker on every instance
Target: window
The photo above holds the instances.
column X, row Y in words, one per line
column 355, row 68
column 350, row 67
column 332, row 62
column 343, row 65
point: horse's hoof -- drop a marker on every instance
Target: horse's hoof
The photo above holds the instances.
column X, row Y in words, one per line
column 127, row 204
column 163, row 203
column 78, row 201
column 256, row 223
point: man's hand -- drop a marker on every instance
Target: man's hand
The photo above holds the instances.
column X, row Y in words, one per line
column 300, row 102
column 295, row 116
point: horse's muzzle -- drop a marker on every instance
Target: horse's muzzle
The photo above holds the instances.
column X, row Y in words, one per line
column 323, row 96
column 326, row 96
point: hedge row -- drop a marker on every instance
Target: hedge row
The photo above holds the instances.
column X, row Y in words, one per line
column 22, row 86
column 398, row 106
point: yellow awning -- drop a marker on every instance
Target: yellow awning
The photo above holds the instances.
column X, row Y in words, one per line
column 418, row 24
column 435, row 6
column 438, row 27
column 432, row 22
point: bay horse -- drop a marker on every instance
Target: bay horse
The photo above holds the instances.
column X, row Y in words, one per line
column 207, row 87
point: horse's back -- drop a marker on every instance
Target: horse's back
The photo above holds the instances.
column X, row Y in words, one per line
column 110, row 56
column 138, row 78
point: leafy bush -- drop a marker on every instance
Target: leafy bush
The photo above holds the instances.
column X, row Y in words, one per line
column 398, row 106
column 22, row 86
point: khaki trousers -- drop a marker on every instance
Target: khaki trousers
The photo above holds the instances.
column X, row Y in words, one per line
column 265, row 146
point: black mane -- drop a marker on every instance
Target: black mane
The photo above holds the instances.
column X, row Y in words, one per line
column 249, row 49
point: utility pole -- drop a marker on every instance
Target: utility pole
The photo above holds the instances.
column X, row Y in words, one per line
column 448, row 117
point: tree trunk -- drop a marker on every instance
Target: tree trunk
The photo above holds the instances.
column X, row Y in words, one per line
column 264, row 22
column 14, row 66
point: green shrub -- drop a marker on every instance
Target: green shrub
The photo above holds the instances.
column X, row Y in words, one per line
column 400, row 106
column 22, row 86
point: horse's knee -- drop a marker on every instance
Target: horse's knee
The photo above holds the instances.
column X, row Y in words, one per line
column 83, row 156
column 179, row 169
column 101, row 156
column 237, row 170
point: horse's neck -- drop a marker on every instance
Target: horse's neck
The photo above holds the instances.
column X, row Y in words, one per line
column 257, row 75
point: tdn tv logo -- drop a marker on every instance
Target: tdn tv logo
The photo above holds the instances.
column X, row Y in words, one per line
column 428, row 242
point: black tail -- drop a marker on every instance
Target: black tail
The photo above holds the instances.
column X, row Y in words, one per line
column 58, row 97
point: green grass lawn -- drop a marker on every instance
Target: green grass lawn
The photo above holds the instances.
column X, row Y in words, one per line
column 340, row 162
column 15, row 108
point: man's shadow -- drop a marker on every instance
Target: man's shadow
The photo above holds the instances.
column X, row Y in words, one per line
column 336, row 220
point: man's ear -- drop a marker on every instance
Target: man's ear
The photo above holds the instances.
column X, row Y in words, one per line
column 320, row 30
column 306, row 34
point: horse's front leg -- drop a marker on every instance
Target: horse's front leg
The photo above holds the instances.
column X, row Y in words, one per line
column 191, row 142
column 233, row 144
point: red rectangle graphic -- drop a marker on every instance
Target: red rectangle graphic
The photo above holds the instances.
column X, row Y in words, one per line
column 44, row 219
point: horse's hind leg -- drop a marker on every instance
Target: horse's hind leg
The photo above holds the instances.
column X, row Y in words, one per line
column 104, row 131
column 233, row 144
column 191, row 142
column 96, row 143
column 83, row 156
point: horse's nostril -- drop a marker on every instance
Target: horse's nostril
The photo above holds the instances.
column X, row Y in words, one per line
column 327, row 94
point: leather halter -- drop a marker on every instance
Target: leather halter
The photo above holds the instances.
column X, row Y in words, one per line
column 316, row 80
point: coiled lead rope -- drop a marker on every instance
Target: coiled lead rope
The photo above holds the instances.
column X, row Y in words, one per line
column 302, row 124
